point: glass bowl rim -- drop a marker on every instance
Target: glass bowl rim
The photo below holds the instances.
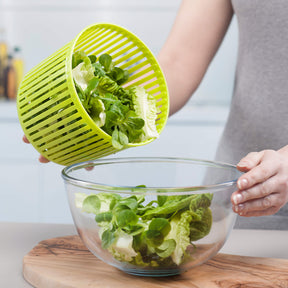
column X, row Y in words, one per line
column 148, row 190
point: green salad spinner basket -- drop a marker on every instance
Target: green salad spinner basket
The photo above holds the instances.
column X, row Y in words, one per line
column 50, row 111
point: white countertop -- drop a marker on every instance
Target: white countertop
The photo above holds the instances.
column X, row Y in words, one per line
column 17, row 239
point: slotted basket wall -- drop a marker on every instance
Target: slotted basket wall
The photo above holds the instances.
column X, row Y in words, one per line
column 50, row 112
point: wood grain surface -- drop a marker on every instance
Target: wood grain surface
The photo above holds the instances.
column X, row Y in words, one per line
column 66, row 263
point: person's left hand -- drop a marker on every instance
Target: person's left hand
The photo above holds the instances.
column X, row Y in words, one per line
column 263, row 188
column 41, row 158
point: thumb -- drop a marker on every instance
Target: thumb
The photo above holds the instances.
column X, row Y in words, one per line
column 250, row 161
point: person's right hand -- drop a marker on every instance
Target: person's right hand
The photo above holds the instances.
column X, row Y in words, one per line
column 41, row 158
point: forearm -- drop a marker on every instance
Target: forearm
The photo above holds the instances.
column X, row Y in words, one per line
column 180, row 88
column 194, row 39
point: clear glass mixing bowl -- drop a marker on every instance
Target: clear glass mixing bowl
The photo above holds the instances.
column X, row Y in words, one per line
column 152, row 216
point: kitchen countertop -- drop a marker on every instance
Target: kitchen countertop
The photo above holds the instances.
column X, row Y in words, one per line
column 17, row 239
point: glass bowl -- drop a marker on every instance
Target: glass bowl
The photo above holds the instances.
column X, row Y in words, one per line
column 152, row 216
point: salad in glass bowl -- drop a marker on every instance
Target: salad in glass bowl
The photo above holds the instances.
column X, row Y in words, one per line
column 152, row 216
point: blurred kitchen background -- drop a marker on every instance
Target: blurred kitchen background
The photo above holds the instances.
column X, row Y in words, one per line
column 31, row 30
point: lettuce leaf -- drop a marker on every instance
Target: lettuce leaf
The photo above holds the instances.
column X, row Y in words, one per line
column 97, row 112
column 83, row 73
column 200, row 228
column 180, row 232
column 145, row 108
column 122, row 249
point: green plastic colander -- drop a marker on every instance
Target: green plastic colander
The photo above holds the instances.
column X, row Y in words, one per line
column 50, row 112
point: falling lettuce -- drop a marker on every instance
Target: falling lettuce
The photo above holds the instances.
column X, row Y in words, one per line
column 159, row 233
column 127, row 115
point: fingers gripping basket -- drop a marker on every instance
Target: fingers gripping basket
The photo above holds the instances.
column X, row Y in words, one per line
column 50, row 112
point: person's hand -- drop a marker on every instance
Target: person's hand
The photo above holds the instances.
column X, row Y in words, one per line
column 41, row 158
column 263, row 188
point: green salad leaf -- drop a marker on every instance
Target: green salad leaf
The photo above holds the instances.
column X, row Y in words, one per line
column 127, row 115
column 145, row 107
column 158, row 233
column 83, row 73
column 180, row 233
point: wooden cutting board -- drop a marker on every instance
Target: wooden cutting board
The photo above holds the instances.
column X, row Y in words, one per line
column 65, row 262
